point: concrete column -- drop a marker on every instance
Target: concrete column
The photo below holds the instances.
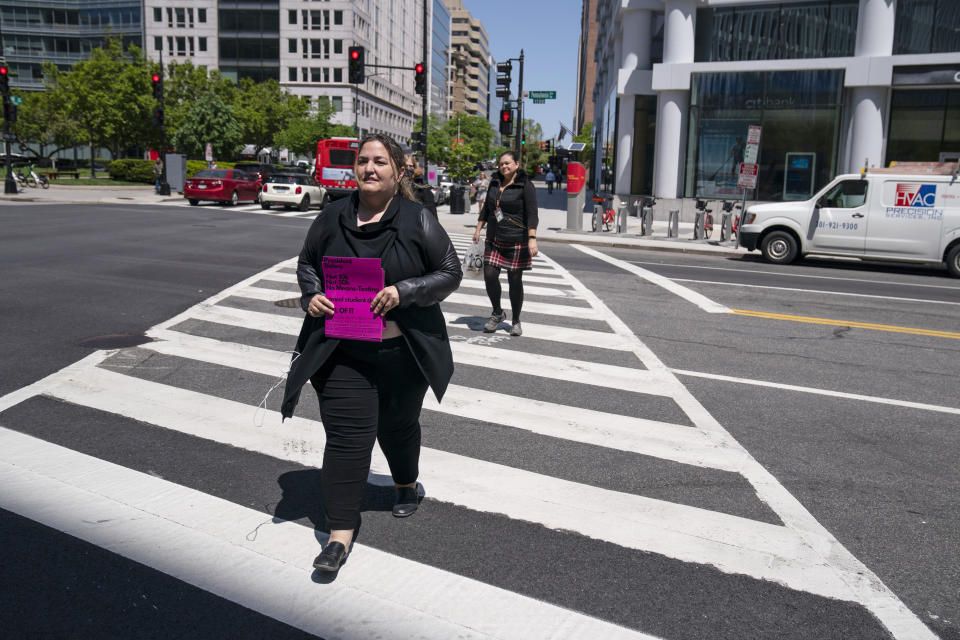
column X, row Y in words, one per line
column 865, row 139
column 635, row 39
column 679, row 31
column 875, row 27
column 625, row 137
column 672, row 116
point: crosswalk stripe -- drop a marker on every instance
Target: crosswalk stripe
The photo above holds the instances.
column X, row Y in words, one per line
column 663, row 440
column 244, row 556
column 527, row 289
column 731, row 543
column 553, row 333
column 529, row 306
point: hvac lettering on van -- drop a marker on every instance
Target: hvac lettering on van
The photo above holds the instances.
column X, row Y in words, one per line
column 915, row 202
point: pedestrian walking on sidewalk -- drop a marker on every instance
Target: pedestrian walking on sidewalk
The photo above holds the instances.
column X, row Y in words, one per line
column 482, row 183
column 157, row 174
column 550, row 178
column 510, row 216
column 373, row 391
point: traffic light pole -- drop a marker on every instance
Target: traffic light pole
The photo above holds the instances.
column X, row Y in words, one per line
column 423, row 109
column 9, row 184
column 164, row 185
column 519, row 137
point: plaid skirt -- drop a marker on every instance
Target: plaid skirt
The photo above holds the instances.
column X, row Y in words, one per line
column 509, row 255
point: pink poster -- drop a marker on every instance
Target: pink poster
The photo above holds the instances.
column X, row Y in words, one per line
column 351, row 285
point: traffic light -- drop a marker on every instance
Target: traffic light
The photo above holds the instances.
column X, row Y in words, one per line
column 418, row 144
column 158, row 117
column 9, row 111
column 523, row 144
column 506, row 122
column 4, row 79
column 420, row 80
column 503, row 79
column 355, row 73
column 548, row 146
column 157, row 81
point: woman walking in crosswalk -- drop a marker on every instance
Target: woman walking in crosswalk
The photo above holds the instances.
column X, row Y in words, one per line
column 373, row 391
column 510, row 216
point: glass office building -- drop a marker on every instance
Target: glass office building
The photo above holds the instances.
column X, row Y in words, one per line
column 838, row 83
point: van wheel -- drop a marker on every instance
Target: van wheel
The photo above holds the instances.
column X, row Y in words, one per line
column 953, row 261
column 779, row 247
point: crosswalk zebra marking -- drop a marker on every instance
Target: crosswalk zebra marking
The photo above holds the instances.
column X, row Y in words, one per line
column 244, row 556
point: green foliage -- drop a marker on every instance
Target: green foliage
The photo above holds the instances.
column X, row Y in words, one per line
column 302, row 134
column 209, row 120
column 132, row 170
column 462, row 141
column 196, row 165
column 263, row 110
column 184, row 83
column 586, row 135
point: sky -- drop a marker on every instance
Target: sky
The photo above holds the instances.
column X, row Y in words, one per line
column 548, row 33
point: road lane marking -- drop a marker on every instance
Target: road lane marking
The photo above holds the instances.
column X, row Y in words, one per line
column 686, row 293
column 731, row 543
column 847, row 323
column 818, row 291
column 823, row 392
column 797, row 275
column 678, row 443
column 247, row 557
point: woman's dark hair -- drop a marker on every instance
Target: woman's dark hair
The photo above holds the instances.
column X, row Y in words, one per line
column 508, row 153
column 395, row 154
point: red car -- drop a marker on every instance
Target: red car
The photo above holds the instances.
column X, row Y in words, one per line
column 227, row 186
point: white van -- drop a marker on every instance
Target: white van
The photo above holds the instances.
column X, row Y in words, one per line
column 908, row 212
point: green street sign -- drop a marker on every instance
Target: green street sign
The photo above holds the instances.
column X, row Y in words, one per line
column 543, row 95
column 17, row 100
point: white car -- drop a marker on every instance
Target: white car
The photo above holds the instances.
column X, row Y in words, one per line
column 292, row 190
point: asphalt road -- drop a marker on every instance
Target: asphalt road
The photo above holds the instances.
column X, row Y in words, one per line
column 876, row 467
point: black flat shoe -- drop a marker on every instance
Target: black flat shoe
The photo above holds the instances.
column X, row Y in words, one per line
column 408, row 499
column 332, row 556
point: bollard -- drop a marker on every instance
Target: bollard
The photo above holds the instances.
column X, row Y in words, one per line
column 726, row 227
column 646, row 221
column 597, row 220
column 673, row 223
column 622, row 219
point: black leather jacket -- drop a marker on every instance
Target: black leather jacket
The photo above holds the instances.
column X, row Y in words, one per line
column 422, row 264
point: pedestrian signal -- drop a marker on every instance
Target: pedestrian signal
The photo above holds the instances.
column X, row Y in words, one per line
column 355, row 73
column 506, row 122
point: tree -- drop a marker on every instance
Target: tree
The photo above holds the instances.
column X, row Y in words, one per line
column 184, row 82
column 209, row 120
column 264, row 109
column 43, row 118
column 533, row 134
column 438, row 142
column 302, row 134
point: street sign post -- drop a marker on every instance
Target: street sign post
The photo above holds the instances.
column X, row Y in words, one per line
column 747, row 178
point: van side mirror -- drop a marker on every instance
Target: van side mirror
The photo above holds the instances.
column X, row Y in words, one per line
column 821, row 202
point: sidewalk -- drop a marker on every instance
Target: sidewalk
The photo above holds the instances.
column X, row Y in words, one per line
column 552, row 227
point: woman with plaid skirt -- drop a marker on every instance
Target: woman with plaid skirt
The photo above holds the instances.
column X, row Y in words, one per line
column 510, row 215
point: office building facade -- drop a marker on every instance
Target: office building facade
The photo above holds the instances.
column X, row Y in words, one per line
column 834, row 85
column 469, row 78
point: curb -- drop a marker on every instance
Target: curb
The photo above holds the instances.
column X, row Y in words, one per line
column 705, row 250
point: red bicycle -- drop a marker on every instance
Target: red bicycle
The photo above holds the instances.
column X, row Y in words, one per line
column 605, row 216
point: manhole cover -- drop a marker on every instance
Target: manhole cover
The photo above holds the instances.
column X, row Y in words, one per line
column 288, row 303
column 114, row 341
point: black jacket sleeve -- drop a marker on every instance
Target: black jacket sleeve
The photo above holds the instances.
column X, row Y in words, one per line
column 530, row 205
column 443, row 272
column 307, row 276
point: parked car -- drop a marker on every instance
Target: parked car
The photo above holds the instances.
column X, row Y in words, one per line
column 293, row 189
column 228, row 186
column 261, row 169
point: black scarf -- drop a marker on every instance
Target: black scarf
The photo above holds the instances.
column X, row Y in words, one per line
column 374, row 239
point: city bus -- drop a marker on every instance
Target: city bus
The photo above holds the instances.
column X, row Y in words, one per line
column 335, row 160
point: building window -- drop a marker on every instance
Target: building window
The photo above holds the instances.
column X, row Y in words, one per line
column 157, row 14
column 326, row 74
column 201, row 15
column 170, row 44
column 724, row 105
column 338, row 74
column 304, row 49
column 826, row 28
column 315, row 75
column 291, row 45
column 326, row 49
column 338, row 17
column 202, row 44
column 190, row 42
column 326, row 20
column 316, row 20
column 316, row 50
column 304, row 74
column 190, row 17
column 292, row 16
column 927, row 26
column 337, row 103
column 181, row 46
column 181, row 17
column 292, row 74
column 158, row 43
column 170, row 17
column 923, row 124
column 337, row 46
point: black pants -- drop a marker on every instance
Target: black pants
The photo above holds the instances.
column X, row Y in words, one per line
column 368, row 391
